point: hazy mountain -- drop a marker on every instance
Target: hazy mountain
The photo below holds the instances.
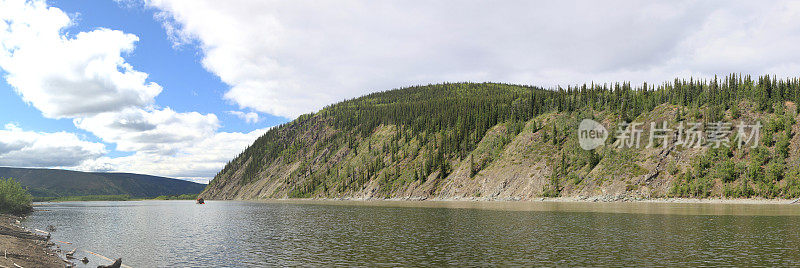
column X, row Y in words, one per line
column 55, row 182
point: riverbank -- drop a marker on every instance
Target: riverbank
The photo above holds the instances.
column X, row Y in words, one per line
column 123, row 197
column 624, row 199
column 578, row 199
column 739, row 207
column 22, row 248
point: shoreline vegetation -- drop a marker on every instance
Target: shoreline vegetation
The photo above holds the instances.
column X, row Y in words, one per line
column 14, row 199
column 14, row 193
column 580, row 199
column 123, row 197
column 592, row 199
column 20, row 247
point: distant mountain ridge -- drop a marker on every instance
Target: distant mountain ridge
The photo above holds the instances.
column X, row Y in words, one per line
column 57, row 183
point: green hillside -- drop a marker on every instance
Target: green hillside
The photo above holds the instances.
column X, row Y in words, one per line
column 60, row 183
column 489, row 140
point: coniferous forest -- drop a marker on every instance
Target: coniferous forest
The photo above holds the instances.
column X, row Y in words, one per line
column 492, row 140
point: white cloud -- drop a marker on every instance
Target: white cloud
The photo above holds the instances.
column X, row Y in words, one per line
column 154, row 132
column 85, row 77
column 750, row 37
column 198, row 162
column 292, row 57
column 68, row 76
column 22, row 148
column 249, row 117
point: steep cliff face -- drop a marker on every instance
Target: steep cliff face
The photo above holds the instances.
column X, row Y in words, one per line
column 514, row 157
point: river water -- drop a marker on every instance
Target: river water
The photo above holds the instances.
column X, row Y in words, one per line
column 383, row 233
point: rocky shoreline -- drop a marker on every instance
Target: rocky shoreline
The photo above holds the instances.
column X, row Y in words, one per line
column 586, row 199
column 22, row 248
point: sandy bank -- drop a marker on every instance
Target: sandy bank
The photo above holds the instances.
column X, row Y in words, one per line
column 20, row 247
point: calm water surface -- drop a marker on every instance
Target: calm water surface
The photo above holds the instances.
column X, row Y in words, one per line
column 330, row 233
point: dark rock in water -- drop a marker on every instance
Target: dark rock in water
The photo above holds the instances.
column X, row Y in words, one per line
column 116, row 264
column 85, row 260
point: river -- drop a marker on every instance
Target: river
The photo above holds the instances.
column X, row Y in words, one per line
column 385, row 233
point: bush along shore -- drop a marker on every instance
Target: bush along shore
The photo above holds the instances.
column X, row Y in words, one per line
column 121, row 197
column 13, row 198
column 18, row 246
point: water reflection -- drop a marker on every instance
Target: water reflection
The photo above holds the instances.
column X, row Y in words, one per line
column 313, row 233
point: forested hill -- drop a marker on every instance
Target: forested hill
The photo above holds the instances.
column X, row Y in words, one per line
column 500, row 141
column 62, row 183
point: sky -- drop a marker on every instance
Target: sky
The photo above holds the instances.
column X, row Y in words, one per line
column 177, row 88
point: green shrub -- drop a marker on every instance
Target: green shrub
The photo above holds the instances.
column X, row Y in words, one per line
column 13, row 198
column 729, row 191
column 792, row 187
column 727, row 171
column 553, row 189
column 687, row 185
column 768, row 189
column 744, row 190
column 673, row 168
column 775, row 171
column 754, row 171
column 767, row 139
column 782, row 147
column 575, row 179
column 701, row 165
column 774, row 125
column 631, row 187
column 177, row 197
column 760, row 155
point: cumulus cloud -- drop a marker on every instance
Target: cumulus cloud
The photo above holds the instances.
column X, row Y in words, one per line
column 198, row 162
column 22, row 148
column 85, row 77
column 153, row 132
column 249, row 117
column 57, row 74
column 293, row 57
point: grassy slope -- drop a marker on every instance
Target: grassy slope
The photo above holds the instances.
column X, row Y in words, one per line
column 514, row 166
